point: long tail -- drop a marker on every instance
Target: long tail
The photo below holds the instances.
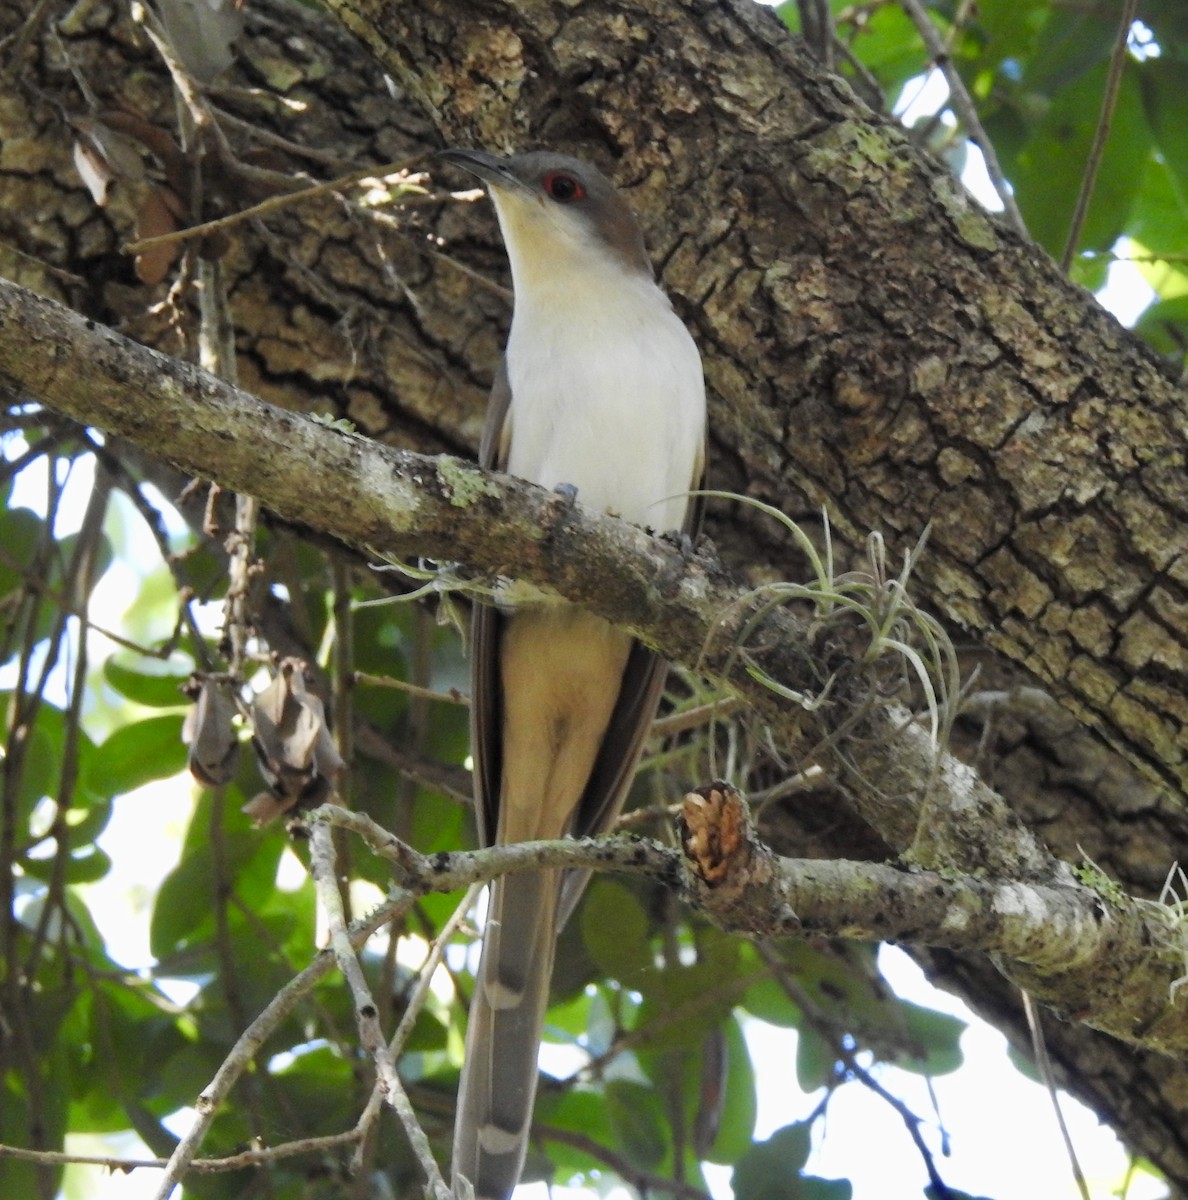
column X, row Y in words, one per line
column 498, row 1086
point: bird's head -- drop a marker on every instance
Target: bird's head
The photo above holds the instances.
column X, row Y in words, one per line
column 560, row 216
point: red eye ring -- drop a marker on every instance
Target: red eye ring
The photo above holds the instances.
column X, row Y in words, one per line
column 563, row 187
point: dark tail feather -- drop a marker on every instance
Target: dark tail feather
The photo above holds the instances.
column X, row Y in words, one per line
column 498, row 1085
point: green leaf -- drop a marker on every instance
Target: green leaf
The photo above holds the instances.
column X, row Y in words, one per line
column 84, row 865
column 253, row 856
column 680, row 1003
column 842, row 976
column 936, row 1039
column 1049, row 167
column 616, row 932
column 19, row 1178
column 84, row 925
column 67, row 548
column 571, row 1017
column 428, row 1033
column 88, row 817
column 245, row 868
column 152, row 613
column 1070, row 46
column 770, row 1170
column 1005, row 31
column 736, row 1127
column 184, row 904
column 637, row 1121
column 40, row 774
column 1165, row 326
column 153, row 689
column 318, row 1084
column 437, row 824
column 21, row 530
column 1024, row 1065
column 42, row 759
column 769, row 1002
column 579, row 1111
column 890, row 48
column 1159, row 227
column 1164, row 84
column 816, row 1060
column 812, row 1188
column 131, row 1036
column 137, row 753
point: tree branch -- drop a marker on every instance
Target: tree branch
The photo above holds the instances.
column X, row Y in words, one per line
column 1065, row 943
column 401, row 504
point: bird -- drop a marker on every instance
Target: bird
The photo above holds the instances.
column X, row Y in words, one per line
column 601, row 395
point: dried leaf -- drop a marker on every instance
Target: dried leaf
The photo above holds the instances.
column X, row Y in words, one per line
column 264, row 807
column 96, row 174
column 119, row 154
column 158, row 214
column 157, row 140
column 209, row 731
column 294, row 748
column 202, row 33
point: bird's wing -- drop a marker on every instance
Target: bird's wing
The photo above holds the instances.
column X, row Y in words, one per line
column 486, row 704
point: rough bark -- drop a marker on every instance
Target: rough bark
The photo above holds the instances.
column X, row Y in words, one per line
column 878, row 342
column 1110, row 964
column 871, row 340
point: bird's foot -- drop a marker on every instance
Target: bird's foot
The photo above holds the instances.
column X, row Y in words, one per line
column 682, row 541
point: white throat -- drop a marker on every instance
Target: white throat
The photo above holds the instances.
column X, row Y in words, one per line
column 607, row 390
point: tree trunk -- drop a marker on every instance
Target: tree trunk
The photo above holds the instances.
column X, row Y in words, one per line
column 873, row 343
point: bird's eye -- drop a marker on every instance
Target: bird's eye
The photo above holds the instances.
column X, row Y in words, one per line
column 563, row 188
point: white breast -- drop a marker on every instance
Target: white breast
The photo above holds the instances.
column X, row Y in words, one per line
column 607, row 395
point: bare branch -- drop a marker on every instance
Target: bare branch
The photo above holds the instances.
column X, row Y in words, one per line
column 274, row 204
column 1065, row 942
column 1101, row 134
column 254, row 1037
column 966, row 110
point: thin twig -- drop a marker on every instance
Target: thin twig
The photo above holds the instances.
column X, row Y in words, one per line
column 824, row 1029
column 447, row 871
column 257, row 1033
column 272, row 204
column 816, row 27
column 1101, row 134
column 1039, row 1051
column 965, row 109
column 14, row 45
column 416, row 1002
column 453, row 696
column 270, row 138
column 322, row 867
column 184, row 83
column 379, row 217
column 694, row 718
column 451, row 782
column 366, row 1013
column 202, row 1166
column 645, row 1182
column 39, row 587
column 802, row 781
column 865, row 82
column 648, row 815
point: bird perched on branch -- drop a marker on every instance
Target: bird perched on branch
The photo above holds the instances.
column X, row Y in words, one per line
column 601, row 391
